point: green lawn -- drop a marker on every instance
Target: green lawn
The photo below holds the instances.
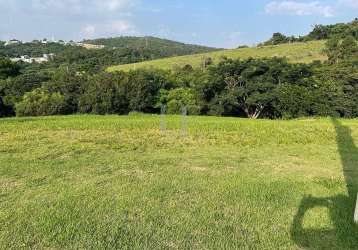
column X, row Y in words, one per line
column 297, row 52
column 112, row 182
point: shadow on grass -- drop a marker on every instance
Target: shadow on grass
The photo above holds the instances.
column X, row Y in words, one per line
column 344, row 234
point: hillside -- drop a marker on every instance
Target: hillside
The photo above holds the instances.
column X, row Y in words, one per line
column 117, row 51
column 296, row 52
column 166, row 47
column 117, row 182
column 31, row 49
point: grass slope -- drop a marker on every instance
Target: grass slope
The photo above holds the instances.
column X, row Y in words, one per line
column 118, row 182
column 297, row 52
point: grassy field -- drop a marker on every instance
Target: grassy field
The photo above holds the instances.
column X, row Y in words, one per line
column 93, row 182
column 297, row 52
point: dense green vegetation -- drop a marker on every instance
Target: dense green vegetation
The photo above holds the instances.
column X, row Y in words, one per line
column 118, row 182
column 268, row 86
column 320, row 32
column 255, row 88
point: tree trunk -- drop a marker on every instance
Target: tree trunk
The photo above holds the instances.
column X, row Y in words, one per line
column 256, row 113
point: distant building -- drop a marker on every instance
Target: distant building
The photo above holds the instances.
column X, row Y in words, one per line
column 90, row 46
column 28, row 59
column 12, row 42
column 25, row 58
column 62, row 42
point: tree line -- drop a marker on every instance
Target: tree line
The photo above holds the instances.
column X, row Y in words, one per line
column 319, row 32
column 255, row 88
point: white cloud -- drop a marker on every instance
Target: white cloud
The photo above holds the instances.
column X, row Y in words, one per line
column 232, row 39
column 121, row 27
column 299, row 8
column 194, row 35
column 113, row 5
column 155, row 10
column 235, row 35
column 89, row 31
column 71, row 5
column 8, row 5
column 83, row 5
column 112, row 28
column 164, row 31
column 350, row 3
column 100, row 17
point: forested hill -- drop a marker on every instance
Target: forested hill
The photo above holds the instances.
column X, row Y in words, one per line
column 164, row 46
column 117, row 51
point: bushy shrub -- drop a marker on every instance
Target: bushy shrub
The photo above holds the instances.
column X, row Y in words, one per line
column 8, row 69
column 179, row 98
column 3, row 109
column 143, row 87
column 293, row 101
column 14, row 88
column 40, row 102
column 105, row 94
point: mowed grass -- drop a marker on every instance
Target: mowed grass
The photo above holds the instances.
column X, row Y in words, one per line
column 296, row 52
column 113, row 182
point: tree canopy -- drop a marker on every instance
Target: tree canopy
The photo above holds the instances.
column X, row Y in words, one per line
column 320, row 32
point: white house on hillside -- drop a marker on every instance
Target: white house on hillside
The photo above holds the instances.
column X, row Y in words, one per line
column 12, row 42
column 27, row 59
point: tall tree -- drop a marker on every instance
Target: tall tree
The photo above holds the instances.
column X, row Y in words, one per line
column 246, row 86
column 8, row 69
column 338, row 50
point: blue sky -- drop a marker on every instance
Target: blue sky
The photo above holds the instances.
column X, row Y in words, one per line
column 219, row 23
